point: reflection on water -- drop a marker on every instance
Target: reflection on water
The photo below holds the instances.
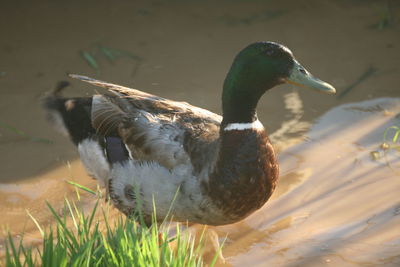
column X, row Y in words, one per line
column 292, row 126
column 290, row 180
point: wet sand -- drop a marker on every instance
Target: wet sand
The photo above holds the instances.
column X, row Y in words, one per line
column 334, row 205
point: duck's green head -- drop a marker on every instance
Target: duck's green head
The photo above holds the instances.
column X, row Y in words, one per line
column 257, row 68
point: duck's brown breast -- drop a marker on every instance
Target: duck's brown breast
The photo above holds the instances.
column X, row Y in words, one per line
column 245, row 174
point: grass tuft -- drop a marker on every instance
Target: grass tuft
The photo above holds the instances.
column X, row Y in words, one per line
column 80, row 239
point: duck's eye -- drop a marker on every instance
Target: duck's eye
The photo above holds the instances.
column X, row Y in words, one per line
column 269, row 52
column 303, row 71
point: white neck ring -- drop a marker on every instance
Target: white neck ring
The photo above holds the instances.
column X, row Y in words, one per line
column 240, row 126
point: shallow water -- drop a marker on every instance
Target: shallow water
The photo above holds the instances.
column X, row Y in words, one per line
column 334, row 205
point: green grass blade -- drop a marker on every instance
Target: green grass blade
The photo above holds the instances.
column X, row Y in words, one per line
column 36, row 223
column 63, row 226
column 396, row 135
column 24, row 134
column 84, row 188
column 108, row 53
column 88, row 57
column 13, row 261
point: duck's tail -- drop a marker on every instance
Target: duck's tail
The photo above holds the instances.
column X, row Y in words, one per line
column 72, row 117
column 68, row 115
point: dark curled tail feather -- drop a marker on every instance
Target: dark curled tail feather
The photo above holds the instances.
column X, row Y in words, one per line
column 70, row 115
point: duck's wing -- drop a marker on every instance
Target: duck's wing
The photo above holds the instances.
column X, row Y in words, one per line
column 154, row 128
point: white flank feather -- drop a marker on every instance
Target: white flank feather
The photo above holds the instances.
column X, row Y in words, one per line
column 92, row 157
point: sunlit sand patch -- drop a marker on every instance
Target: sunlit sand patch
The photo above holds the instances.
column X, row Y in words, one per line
column 343, row 206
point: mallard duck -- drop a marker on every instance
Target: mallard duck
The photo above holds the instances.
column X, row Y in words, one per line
column 187, row 162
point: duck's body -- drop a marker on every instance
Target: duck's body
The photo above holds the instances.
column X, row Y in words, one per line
column 185, row 161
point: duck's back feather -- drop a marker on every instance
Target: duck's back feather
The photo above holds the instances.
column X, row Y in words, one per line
column 154, row 128
column 151, row 127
